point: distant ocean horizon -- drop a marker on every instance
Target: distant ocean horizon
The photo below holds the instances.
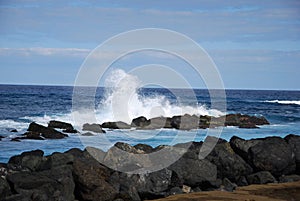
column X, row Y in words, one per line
column 22, row 104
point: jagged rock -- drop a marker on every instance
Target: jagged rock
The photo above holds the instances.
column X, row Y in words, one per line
column 116, row 125
column 262, row 177
column 229, row 164
column 140, row 122
column 272, row 154
column 46, row 132
column 294, row 142
column 93, row 127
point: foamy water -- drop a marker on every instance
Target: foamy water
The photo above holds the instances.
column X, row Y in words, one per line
column 292, row 102
column 122, row 102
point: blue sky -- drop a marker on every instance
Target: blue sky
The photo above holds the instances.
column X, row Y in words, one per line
column 255, row 44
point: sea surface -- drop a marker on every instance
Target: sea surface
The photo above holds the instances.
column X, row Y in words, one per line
column 20, row 105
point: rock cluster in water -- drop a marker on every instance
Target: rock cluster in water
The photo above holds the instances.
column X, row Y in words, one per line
column 76, row 175
column 183, row 122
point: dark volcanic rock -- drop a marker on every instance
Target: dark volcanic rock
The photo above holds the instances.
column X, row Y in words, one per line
column 46, row 132
column 195, row 172
column 185, row 122
column 90, row 180
column 289, row 178
column 245, row 121
column 54, row 184
column 142, row 186
column 294, row 143
column 32, row 136
column 159, row 122
column 228, row 185
column 13, row 130
column 272, row 154
column 143, row 148
column 30, row 160
column 4, row 188
column 241, row 146
column 140, row 122
column 56, row 160
column 116, row 125
column 93, row 127
column 204, row 121
column 60, row 125
column 262, row 177
column 229, row 164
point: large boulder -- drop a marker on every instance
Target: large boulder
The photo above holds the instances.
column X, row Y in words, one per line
column 93, row 127
column 262, row 177
column 241, row 146
column 116, row 125
column 46, row 132
column 272, row 154
column 54, row 184
column 90, row 180
column 294, row 142
column 27, row 160
column 229, row 164
column 195, row 172
column 126, row 158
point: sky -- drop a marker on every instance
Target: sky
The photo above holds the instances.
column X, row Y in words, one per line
column 254, row 44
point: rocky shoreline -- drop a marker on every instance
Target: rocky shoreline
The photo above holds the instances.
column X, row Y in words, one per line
column 77, row 175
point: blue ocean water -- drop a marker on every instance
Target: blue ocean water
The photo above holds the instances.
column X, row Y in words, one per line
column 21, row 105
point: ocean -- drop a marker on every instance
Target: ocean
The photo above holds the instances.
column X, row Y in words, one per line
column 20, row 105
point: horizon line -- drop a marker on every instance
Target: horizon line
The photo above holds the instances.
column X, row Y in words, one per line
column 65, row 85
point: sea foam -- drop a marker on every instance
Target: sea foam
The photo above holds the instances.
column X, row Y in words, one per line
column 122, row 102
column 290, row 102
